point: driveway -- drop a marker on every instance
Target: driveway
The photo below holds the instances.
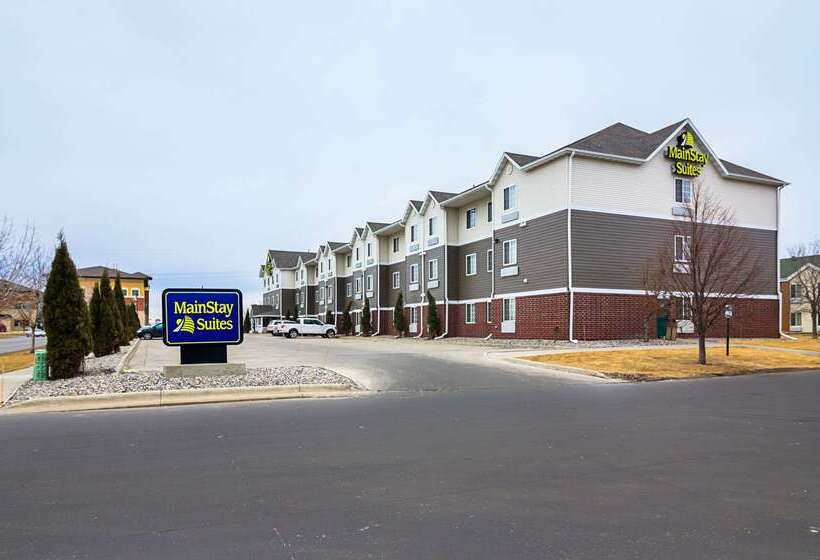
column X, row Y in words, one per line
column 381, row 363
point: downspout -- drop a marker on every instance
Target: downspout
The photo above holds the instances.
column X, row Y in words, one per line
column 492, row 248
column 569, row 250
column 446, row 284
column 378, row 291
column 421, row 287
column 777, row 283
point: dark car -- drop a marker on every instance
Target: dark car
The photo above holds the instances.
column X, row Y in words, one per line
column 151, row 331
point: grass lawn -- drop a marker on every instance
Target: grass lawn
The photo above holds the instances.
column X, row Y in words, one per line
column 803, row 342
column 15, row 360
column 679, row 363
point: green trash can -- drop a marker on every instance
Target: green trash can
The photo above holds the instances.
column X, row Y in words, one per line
column 40, row 366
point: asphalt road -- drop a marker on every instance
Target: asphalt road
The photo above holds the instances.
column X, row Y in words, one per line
column 15, row 343
column 536, row 467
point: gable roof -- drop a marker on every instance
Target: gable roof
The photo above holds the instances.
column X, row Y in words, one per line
column 376, row 226
column 97, row 272
column 333, row 245
column 790, row 265
column 287, row 259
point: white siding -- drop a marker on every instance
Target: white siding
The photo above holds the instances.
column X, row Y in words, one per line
column 413, row 219
column 483, row 228
column 541, row 191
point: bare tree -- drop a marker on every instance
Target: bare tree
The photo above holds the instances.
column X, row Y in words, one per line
column 808, row 277
column 16, row 249
column 33, row 284
column 709, row 262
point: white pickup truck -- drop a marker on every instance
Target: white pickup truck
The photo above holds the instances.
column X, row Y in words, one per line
column 307, row 327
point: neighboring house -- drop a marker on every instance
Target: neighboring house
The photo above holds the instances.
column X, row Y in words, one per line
column 136, row 286
column 553, row 246
column 261, row 316
column 16, row 314
column 795, row 310
column 279, row 278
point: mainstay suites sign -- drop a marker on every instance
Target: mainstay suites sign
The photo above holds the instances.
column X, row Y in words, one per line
column 202, row 316
column 687, row 160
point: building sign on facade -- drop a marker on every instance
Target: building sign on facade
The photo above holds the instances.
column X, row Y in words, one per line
column 202, row 316
column 687, row 160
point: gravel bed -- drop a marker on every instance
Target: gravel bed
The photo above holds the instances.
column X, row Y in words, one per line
column 105, row 364
column 128, row 382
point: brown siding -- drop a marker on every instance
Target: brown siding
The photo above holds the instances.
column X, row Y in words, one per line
column 542, row 254
column 470, row 287
column 411, row 297
column 610, row 250
column 388, row 294
column 357, row 303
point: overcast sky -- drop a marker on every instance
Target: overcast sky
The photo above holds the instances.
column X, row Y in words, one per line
column 183, row 139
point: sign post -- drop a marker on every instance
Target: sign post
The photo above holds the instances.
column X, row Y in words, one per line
column 202, row 322
column 728, row 311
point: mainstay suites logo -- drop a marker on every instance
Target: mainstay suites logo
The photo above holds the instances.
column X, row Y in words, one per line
column 687, row 160
column 202, row 316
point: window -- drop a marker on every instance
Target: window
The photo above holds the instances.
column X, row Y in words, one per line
column 683, row 191
column 432, row 269
column 684, row 306
column 322, row 293
column 490, row 211
column 508, row 310
column 135, row 292
column 471, row 217
column 313, row 322
column 359, row 285
column 330, row 294
column 682, row 243
column 510, row 252
column 395, row 244
column 369, row 249
column 321, row 266
column 795, row 320
column 396, row 280
column 349, row 289
column 369, row 283
column 414, row 314
column 471, row 264
column 469, row 313
column 347, row 261
column 298, row 298
column 510, row 197
column 795, row 291
column 358, row 254
column 431, row 226
column 414, row 233
column 489, row 260
column 414, row 273
column 489, row 311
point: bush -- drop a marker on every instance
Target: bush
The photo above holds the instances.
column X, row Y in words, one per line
column 433, row 323
column 246, row 323
column 133, row 319
column 347, row 323
column 399, row 320
column 65, row 316
column 105, row 331
column 367, row 328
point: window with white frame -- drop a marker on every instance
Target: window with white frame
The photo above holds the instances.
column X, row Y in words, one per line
column 369, row 248
column 469, row 313
column 347, row 261
column 358, row 254
column 471, row 218
column 490, row 211
column 510, row 197
column 488, row 312
column 489, row 260
column 135, row 292
column 349, row 289
column 432, row 223
column 510, row 252
column 795, row 292
column 396, row 280
column 682, row 243
column 414, row 233
column 395, row 244
column 684, row 305
column 470, row 264
column 321, row 266
column 795, row 320
column 299, row 298
column 359, row 285
column 369, row 283
column 321, row 293
column 508, row 309
column 414, row 314
column 330, row 294
column 683, row 191
column 432, row 269
column 414, row 273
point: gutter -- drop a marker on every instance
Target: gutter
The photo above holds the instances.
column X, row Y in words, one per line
column 571, row 332
column 446, row 283
column 777, row 280
column 492, row 246
column 422, row 283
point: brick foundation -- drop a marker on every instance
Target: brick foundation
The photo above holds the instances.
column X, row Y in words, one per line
column 542, row 317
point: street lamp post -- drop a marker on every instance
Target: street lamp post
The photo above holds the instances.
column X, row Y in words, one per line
column 728, row 311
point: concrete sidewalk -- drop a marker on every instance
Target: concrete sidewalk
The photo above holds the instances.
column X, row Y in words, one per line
column 9, row 382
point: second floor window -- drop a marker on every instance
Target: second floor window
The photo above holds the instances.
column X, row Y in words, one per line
column 359, row 285
column 431, row 226
column 414, row 233
column 471, row 218
column 369, row 283
column 510, row 197
column 490, row 211
column 432, row 269
column 489, row 260
column 510, row 252
column 395, row 244
column 682, row 243
column 796, row 292
column 683, row 191
column 358, row 254
column 369, row 249
column 135, row 292
column 471, row 264
column 414, row 273
column 347, row 261
column 349, row 289
column 396, row 280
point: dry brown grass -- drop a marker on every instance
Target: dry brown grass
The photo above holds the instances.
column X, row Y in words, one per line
column 679, row 363
column 803, row 342
column 16, row 360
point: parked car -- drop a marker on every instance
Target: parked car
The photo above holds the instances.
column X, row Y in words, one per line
column 275, row 327
column 308, row 327
column 37, row 332
column 151, row 331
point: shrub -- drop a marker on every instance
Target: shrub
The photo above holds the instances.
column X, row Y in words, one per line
column 124, row 335
column 433, row 323
column 399, row 320
column 366, row 326
column 347, row 323
column 246, row 323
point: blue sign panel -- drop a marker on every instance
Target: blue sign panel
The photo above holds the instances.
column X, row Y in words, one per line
column 201, row 316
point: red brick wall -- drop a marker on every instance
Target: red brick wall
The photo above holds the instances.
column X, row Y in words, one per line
column 458, row 327
column 753, row 318
column 610, row 316
column 535, row 317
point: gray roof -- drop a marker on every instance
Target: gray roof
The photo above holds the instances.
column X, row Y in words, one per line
column 520, row 159
column 288, row 259
column 97, row 272
column 740, row 170
column 358, row 230
column 441, row 196
column 790, row 265
column 335, row 245
column 259, row 310
column 376, row 226
column 417, row 204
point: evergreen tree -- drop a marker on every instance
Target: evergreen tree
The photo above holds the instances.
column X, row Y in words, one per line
column 433, row 323
column 65, row 316
column 347, row 323
column 329, row 317
column 246, row 324
column 124, row 333
column 399, row 320
column 107, row 330
column 95, row 314
column 366, row 326
column 133, row 319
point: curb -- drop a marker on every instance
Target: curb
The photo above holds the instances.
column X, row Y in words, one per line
column 127, row 358
column 521, row 360
column 173, row 397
